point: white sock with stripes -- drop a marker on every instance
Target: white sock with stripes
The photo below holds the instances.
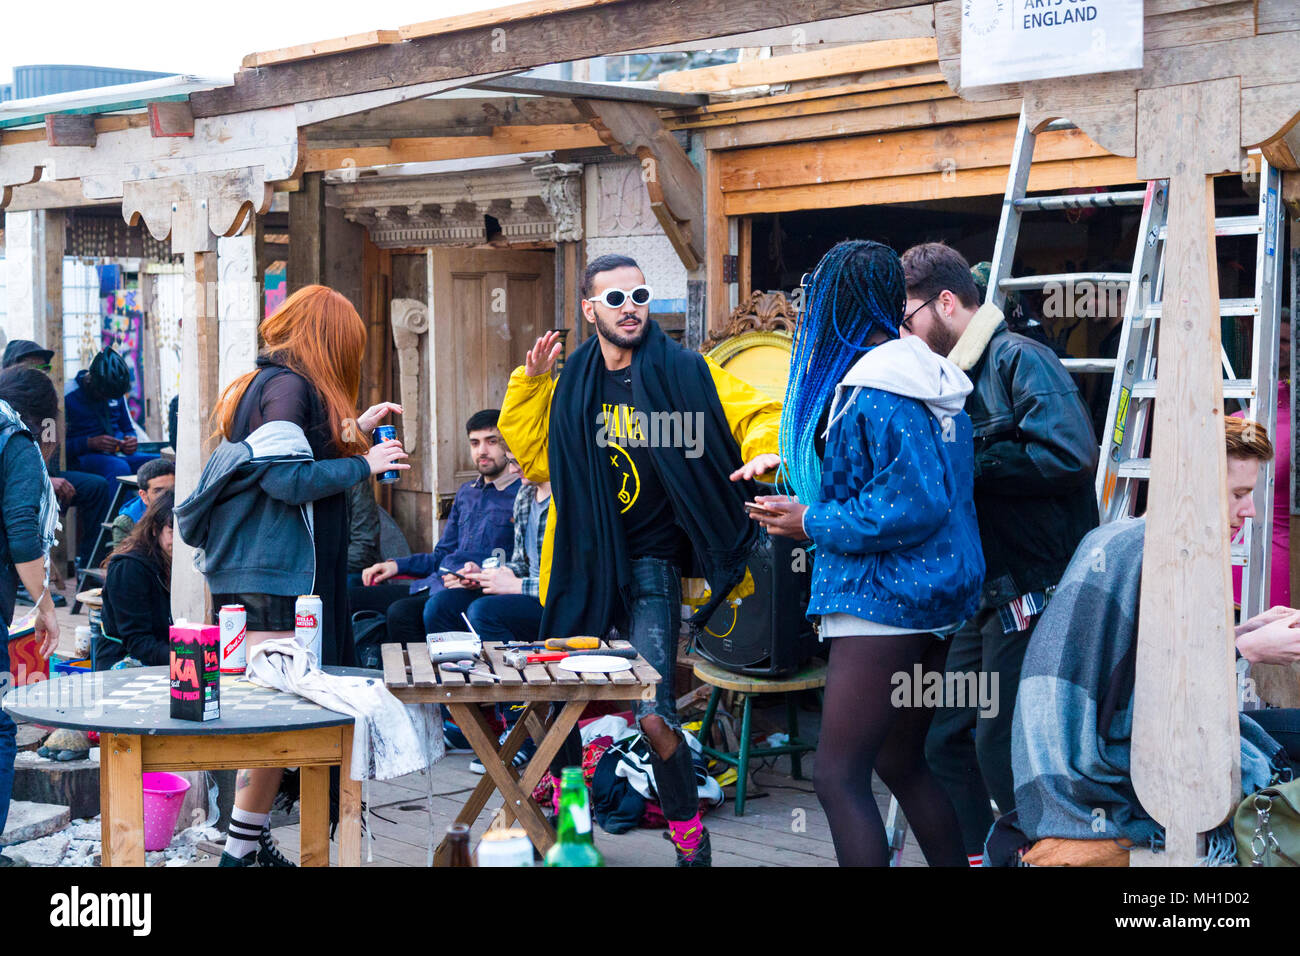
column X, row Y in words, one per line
column 245, row 829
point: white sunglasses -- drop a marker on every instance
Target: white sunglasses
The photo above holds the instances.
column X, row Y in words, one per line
column 614, row 298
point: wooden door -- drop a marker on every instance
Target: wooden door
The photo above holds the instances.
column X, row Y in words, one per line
column 489, row 306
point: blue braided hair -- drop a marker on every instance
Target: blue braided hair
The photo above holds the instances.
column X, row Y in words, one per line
column 856, row 291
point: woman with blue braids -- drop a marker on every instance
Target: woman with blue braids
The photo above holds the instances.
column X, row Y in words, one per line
column 897, row 559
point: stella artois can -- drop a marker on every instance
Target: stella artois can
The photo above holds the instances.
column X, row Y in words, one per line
column 233, row 621
column 306, row 623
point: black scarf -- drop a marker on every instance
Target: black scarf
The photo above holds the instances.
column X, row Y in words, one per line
column 591, row 572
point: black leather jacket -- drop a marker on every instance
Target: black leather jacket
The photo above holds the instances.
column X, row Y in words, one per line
column 1035, row 464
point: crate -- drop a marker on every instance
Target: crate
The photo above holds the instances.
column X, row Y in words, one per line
column 59, row 666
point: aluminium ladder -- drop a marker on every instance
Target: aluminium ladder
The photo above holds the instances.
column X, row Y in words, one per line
column 1121, row 466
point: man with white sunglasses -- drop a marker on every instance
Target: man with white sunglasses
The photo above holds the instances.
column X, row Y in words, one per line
column 634, row 502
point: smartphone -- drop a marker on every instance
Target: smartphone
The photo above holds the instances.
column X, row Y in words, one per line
column 458, row 574
column 754, row 508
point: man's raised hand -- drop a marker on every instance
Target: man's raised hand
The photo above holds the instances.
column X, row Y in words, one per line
column 541, row 357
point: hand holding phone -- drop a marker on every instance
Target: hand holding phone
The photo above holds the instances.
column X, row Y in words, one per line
column 465, row 580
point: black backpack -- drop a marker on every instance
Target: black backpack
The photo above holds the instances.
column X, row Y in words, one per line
column 369, row 631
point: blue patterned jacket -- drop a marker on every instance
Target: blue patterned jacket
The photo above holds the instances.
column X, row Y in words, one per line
column 896, row 537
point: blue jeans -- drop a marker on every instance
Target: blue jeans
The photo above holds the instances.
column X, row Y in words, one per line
column 8, row 733
column 110, row 466
column 652, row 626
column 91, row 502
column 443, row 609
column 506, row 617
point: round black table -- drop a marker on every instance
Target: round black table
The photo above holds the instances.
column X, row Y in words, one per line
column 258, row 727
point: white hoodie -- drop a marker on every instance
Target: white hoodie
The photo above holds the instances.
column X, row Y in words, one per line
column 906, row 367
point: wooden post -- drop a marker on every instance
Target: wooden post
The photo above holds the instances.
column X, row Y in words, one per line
column 1186, row 748
column 34, row 244
column 717, row 243
column 435, row 297
column 745, row 259
column 155, row 412
column 199, row 370
column 306, row 265
column 239, row 300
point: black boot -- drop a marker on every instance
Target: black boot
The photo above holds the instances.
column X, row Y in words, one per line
column 703, row 855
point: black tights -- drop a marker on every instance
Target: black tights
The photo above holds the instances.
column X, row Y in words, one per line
column 861, row 731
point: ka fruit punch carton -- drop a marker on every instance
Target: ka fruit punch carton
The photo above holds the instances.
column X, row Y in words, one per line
column 195, row 671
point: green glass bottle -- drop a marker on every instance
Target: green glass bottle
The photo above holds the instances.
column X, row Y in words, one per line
column 573, row 843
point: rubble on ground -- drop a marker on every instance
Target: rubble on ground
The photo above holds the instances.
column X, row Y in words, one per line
column 78, row 844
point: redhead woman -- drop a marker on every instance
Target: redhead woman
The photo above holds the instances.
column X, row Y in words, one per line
column 270, row 512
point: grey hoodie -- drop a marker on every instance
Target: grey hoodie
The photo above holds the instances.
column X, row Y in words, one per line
column 907, row 367
column 250, row 518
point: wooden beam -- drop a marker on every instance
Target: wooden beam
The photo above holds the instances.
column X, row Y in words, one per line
column 916, row 21
column 1069, row 174
column 946, row 149
column 811, row 102
column 593, row 91
column 503, row 141
column 69, row 129
column 266, row 142
column 103, row 124
column 171, row 118
column 1104, row 105
column 56, row 194
column 857, row 58
column 465, row 46
column 671, row 179
column 303, row 51
column 870, row 120
column 360, row 41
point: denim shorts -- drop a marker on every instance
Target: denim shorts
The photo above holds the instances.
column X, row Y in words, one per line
column 652, row 626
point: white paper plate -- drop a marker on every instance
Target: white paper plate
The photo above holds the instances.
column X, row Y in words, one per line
column 596, row 663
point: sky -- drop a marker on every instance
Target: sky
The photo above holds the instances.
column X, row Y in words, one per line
column 206, row 39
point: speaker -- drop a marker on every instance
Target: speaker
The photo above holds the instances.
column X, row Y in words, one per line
column 769, row 634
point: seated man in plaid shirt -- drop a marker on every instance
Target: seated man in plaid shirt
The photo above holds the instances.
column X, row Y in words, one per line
column 509, row 609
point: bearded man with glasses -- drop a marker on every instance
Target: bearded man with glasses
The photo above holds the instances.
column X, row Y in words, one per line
column 1035, row 458
column 634, row 504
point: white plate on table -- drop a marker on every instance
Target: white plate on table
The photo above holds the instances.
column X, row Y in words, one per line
column 596, row 664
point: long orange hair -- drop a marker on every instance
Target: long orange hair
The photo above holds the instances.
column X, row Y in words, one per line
column 318, row 334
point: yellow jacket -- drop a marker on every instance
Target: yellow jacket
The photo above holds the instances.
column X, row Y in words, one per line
column 526, row 418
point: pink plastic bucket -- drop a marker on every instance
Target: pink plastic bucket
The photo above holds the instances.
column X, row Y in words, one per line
column 163, row 795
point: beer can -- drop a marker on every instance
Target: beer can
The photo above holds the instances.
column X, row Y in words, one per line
column 383, row 433
column 233, row 621
column 505, row 848
column 306, row 623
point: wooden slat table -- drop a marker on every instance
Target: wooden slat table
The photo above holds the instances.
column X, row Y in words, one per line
column 413, row 678
column 258, row 727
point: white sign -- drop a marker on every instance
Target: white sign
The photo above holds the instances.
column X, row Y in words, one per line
column 1009, row 41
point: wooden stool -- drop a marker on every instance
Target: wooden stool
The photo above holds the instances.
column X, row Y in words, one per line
column 813, row 676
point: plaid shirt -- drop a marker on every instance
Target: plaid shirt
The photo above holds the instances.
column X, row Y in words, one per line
column 529, row 578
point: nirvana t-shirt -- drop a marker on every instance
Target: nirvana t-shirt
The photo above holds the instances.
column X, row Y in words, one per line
column 647, row 512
